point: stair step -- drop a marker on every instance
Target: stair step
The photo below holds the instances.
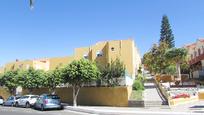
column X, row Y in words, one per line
column 134, row 103
column 155, row 104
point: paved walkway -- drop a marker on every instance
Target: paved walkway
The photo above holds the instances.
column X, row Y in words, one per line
column 151, row 93
column 195, row 108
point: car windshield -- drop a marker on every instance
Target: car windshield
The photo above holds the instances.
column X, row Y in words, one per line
column 52, row 97
column 24, row 97
column 18, row 97
column 11, row 98
column 32, row 97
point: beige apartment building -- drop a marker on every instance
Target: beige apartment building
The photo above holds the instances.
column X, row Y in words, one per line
column 102, row 52
column 196, row 58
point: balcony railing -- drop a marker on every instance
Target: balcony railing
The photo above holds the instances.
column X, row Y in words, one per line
column 196, row 59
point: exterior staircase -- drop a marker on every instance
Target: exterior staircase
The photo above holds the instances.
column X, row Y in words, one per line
column 152, row 94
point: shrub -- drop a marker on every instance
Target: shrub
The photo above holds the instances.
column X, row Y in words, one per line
column 138, row 85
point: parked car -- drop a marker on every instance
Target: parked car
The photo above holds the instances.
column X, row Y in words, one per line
column 1, row 100
column 26, row 101
column 11, row 101
column 48, row 101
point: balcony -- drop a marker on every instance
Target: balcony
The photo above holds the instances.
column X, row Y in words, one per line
column 196, row 59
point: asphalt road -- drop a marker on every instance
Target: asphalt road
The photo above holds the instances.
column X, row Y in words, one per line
column 25, row 111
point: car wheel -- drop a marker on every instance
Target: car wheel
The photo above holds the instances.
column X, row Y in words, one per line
column 27, row 105
column 17, row 104
column 34, row 106
column 12, row 104
column 61, row 108
column 42, row 108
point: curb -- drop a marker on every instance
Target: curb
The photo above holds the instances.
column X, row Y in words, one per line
column 116, row 112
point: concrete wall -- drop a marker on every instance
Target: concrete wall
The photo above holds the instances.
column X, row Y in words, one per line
column 106, row 96
column 201, row 95
column 179, row 101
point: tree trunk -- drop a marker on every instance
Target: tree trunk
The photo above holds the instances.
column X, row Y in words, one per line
column 31, row 91
column 178, row 69
column 13, row 91
column 75, row 94
column 52, row 91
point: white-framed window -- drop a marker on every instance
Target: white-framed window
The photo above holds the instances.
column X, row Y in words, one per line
column 112, row 49
column 20, row 66
column 99, row 53
column 86, row 56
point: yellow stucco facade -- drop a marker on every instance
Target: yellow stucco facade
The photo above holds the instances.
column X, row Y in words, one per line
column 18, row 65
column 104, row 52
column 101, row 52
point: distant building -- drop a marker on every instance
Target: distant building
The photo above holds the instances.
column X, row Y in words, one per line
column 1, row 70
column 102, row 52
column 196, row 58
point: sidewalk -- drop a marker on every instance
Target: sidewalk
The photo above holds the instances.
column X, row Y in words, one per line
column 187, row 109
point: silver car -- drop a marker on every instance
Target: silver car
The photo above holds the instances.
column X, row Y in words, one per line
column 47, row 101
column 11, row 101
column 1, row 100
column 26, row 101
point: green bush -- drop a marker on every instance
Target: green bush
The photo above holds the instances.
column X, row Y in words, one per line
column 138, row 85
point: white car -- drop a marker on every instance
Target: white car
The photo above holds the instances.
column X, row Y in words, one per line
column 1, row 100
column 26, row 101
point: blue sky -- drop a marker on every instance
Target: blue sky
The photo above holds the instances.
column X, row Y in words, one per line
column 55, row 27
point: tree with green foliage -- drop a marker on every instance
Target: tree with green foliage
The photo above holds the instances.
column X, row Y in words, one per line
column 160, row 59
column 140, row 79
column 1, row 79
column 148, row 61
column 138, row 85
column 53, row 79
column 170, row 70
column 177, row 56
column 140, row 75
column 166, row 34
column 78, row 73
column 31, row 79
column 111, row 72
column 155, row 60
column 10, row 80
